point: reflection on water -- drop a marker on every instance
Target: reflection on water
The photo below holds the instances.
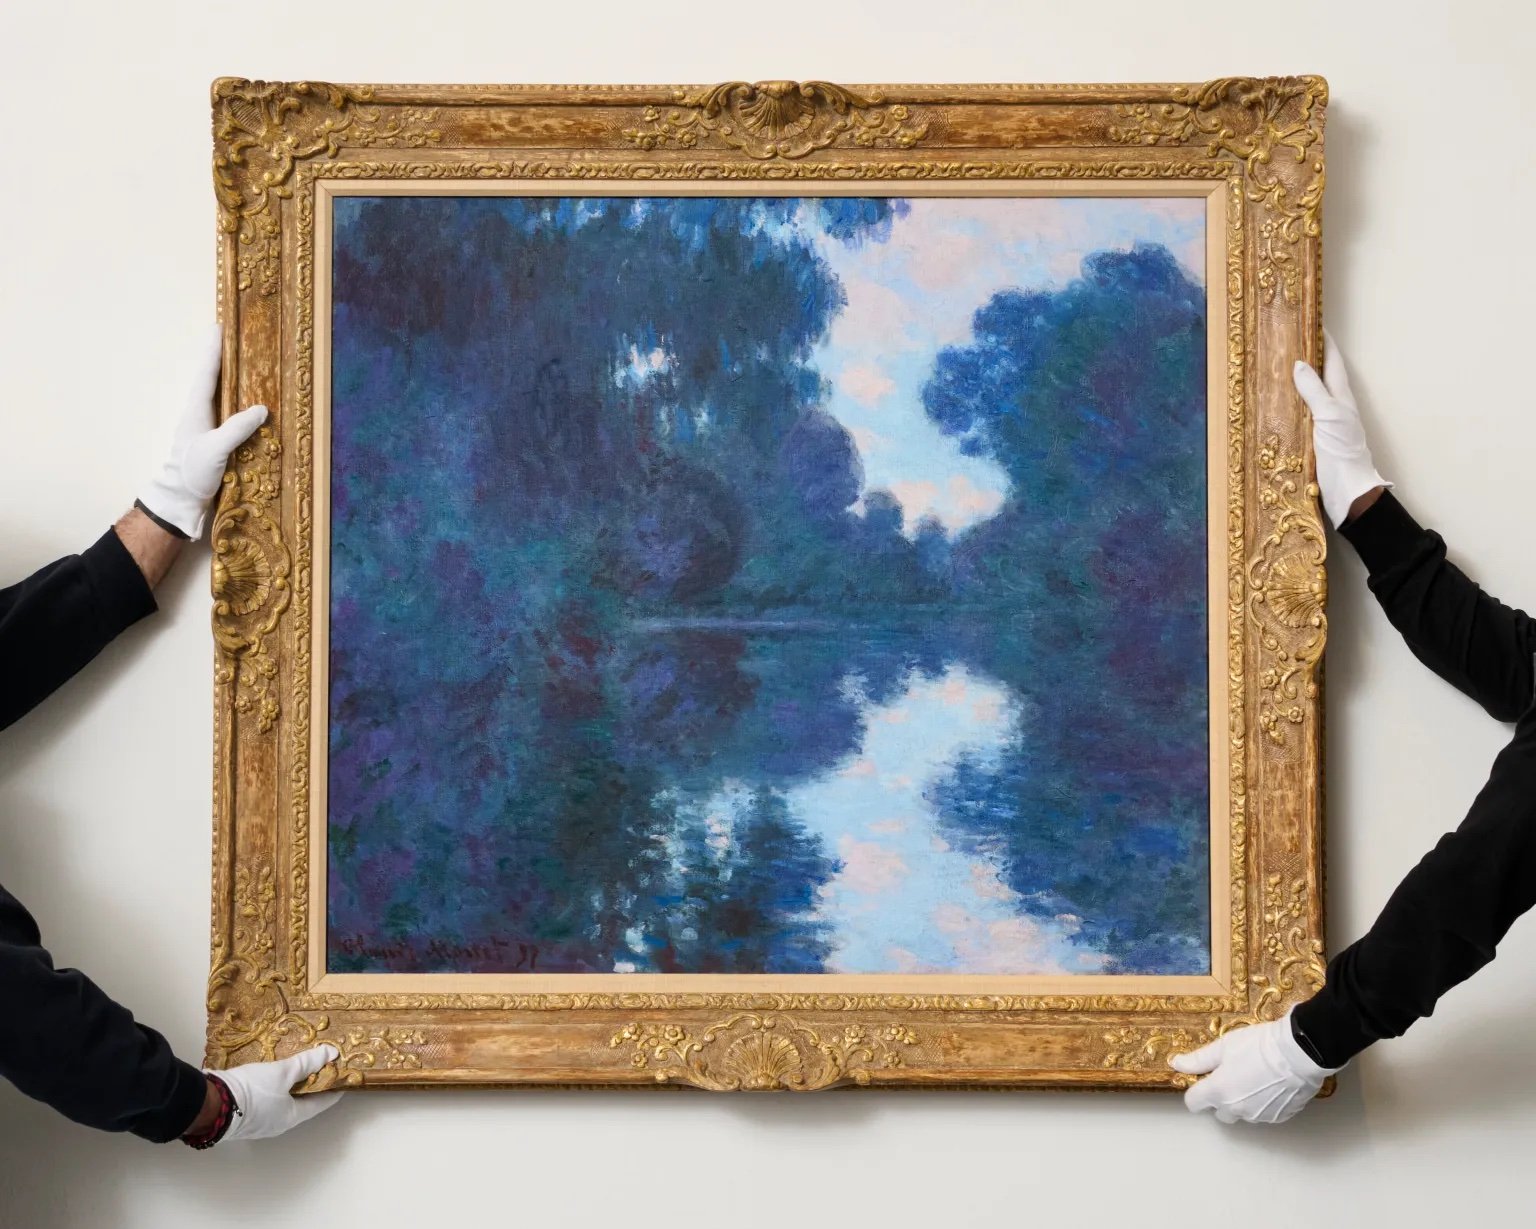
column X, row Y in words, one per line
column 902, row 895
column 903, row 899
column 713, row 796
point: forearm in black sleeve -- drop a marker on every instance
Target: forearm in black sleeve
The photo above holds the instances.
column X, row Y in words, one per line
column 1473, row 641
column 1442, row 923
column 66, row 1043
column 54, row 622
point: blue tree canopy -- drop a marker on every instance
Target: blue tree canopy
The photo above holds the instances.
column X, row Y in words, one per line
column 1092, row 398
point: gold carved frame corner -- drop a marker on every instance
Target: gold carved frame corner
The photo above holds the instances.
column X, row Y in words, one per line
column 1257, row 143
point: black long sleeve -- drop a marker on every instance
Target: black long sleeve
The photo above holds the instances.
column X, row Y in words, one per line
column 62, row 1039
column 1471, row 640
column 1444, row 921
column 59, row 618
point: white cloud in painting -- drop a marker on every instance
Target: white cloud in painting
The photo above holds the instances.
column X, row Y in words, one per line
column 960, row 501
column 641, row 367
column 941, row 263
column 866, row 439
column 866, row 385
column 1015, row 944
column 883, row 317
column 869, row 867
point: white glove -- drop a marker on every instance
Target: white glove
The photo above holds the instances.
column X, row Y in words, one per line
column 1257, row 1074
column 199, row 451
column 1345, row 470
column 264, row 1100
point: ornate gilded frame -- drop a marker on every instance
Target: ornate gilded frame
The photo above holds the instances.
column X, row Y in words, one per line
column 1257, row 144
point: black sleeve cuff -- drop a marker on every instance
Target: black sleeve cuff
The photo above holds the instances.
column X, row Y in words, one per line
column 1327, row 1030
column 175, row 1119
column 123, row 596
column 1384, row 534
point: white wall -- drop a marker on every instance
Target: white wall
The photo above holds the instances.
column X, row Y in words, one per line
column 107, row 231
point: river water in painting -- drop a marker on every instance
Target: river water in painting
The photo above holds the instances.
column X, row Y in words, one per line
column 767, row 586
column 856, row 772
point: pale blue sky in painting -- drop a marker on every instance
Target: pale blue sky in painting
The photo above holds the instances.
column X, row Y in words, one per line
column 916, row 292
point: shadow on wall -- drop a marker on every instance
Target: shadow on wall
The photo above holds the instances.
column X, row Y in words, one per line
column 59, row 1175
column 1346, row 212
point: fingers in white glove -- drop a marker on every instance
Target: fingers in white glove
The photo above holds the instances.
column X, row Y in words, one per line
column 209, row 453
column 192, row 474
column 1345, row 470
column 1198, row 1062
column 263, row 1093
column 299, row 1067
column 1215, row 1091
column 202, row 382
column 1202, row 1095
column 1315, row 393
column 1335, row 372
column 303, row 1065
column 1256, row 1074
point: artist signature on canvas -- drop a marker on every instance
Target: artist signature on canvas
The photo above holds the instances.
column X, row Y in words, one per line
column 511, row 955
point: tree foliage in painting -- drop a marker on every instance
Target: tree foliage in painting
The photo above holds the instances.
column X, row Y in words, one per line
column 1088, row 398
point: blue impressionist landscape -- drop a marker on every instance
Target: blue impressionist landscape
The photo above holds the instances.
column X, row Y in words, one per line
column 768, row 585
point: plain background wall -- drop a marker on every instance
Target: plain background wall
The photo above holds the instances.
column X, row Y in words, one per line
column 107, row 225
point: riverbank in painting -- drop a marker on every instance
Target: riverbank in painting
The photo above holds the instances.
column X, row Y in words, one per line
column 670, row 635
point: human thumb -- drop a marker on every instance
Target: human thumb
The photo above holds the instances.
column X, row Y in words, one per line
column 306, row 1062
column 208, row 454
column 237, row 428
column 1311, row 387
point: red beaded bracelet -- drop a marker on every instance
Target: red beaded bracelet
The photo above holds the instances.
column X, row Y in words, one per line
column 227, row 1111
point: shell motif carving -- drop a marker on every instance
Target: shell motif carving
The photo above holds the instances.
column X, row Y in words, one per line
column 778, row 119
column 1296, row 591
column 1289, row 588
column 242, row 575
column 752, row 1052
column 761, row 1060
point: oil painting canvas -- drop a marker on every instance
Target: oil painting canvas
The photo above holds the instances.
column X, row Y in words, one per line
column 768, row 585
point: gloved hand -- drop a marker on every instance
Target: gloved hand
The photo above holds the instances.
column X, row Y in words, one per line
column 199, row 451
column 263, row 1094
column 1257, row 1074
column 1345, row 470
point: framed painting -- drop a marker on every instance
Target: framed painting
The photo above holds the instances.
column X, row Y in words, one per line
column 767, row 586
